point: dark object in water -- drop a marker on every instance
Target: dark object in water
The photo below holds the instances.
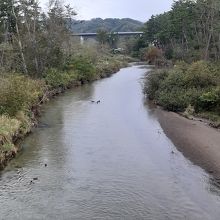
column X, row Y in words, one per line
column 98, row 101
column 45, row 165
column 35, row 178
column 172, row 152
column 43, row 125
column 92, row 101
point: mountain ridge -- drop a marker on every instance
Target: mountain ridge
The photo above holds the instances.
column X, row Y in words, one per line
column 108, row 24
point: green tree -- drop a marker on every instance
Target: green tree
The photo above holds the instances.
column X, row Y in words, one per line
column 102, row 37
column 190, row 30
column 113, row 40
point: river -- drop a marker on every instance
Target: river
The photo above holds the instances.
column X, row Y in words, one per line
column 110, row 160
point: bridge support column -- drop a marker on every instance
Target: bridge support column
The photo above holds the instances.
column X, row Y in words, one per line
column 81, row 40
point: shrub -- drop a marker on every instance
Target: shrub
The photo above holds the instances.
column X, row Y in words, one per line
column 153, row 82
column 152, row 54
column 19, row 93
column 57, row 78
column 196, row 85
column 175, row 100
column 209, row 100
column 200, row 75
column 107, row 67
column 84, row 68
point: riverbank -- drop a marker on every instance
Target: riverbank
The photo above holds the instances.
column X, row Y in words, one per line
column 196, row 140
column 189, row 89
column 17, row 123
column 188, row 99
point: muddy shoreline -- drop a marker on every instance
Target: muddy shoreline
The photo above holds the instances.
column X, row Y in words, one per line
column 197, row 141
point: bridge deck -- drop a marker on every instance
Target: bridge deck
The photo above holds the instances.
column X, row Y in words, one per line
column 119, row 33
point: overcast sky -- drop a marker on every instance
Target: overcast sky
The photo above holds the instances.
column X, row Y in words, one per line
column 136, row 9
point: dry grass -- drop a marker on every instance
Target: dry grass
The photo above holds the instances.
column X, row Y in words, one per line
column 9, row 127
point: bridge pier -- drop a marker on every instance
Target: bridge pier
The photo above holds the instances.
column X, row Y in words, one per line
column 81, row 40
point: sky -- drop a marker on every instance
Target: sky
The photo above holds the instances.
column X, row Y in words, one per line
column 136, row 9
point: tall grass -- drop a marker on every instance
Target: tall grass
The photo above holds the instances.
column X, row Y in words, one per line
column 19, row 93
column 9, row 127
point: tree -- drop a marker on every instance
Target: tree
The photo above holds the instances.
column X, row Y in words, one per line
column 113, row 40
column 190, row 30
column 102, row 37
column 34, row 41
column 7, row 29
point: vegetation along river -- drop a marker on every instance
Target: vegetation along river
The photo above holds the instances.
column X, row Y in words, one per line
column 110, row 160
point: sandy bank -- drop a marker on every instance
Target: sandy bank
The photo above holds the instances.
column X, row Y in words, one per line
column 197, row 141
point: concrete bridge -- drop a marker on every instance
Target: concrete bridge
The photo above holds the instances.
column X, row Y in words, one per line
column 93, row 35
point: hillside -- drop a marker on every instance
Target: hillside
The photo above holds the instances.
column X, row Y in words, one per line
column 108, row 24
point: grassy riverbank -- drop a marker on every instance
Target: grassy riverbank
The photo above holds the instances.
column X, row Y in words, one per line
column 191, row 89
column 21, row 96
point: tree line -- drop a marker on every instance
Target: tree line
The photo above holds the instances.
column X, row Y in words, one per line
column 189, row 31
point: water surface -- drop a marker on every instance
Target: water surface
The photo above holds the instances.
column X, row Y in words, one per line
column 105, row 161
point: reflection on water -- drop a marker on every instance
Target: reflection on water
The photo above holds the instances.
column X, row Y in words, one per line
column 110, row 160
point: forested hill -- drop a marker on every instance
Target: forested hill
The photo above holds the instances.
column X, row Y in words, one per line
column 108, row 24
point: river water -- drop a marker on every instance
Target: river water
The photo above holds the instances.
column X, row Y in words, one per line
column 110, row 160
